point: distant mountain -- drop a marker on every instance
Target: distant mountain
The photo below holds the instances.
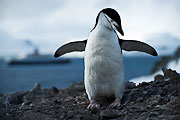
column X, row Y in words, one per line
column 165, row 44
column 11, row 46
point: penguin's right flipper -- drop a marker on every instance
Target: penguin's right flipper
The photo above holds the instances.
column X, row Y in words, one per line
column 71, row 47
column 133, row 45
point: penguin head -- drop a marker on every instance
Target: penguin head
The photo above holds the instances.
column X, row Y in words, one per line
column 114, row 18
column 111, row 19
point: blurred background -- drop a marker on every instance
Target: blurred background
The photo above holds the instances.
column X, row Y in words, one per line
column 31, row 31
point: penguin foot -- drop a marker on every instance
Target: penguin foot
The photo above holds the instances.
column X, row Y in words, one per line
column 93, row 105
column 116, row 103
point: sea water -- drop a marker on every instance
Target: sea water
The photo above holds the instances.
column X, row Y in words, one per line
column 23, row 77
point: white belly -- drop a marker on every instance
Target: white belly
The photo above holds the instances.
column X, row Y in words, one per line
column 104, row 70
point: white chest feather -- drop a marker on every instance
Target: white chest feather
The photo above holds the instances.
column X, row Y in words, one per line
column 104, row 70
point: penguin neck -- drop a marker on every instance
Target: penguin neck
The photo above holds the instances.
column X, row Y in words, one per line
column 103, row 31
column 103, row 24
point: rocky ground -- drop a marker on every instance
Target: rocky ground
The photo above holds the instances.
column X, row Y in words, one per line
column 156, row 100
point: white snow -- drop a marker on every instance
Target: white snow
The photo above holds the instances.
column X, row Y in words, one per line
column 174, row 65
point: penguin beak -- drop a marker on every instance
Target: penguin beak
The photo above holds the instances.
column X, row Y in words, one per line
column 119, row 29
column 115, row 25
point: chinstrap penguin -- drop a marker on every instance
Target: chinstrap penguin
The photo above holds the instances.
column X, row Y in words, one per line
column 104, row 67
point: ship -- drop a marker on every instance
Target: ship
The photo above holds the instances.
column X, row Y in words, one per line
column 37, row 59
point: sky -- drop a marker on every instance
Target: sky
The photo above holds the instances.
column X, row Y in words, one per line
column 49, row 24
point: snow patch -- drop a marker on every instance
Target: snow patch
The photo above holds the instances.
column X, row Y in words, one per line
column 174, row 65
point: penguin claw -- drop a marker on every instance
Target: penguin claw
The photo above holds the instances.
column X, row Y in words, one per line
column 93, row 105
column 116, row 103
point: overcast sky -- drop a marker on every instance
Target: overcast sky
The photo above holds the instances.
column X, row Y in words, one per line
column 51, row 23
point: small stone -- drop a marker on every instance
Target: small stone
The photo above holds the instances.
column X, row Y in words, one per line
column 139, row 99
column 168, row 73
column 45, row 90
column 153, row 100
column 53, row 90
column 145, row 92
column 152, row 114
column 130, row 85
column 159, row 77
column 143, row 84
column 57, row 101
column 26, row 103
column 31, row 105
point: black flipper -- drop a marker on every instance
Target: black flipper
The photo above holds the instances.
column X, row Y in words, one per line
column 71, row 47
column 127, row 45
column 133, row 45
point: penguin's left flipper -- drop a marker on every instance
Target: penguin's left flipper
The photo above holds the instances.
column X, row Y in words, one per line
column 71, row 47
column 133, row 45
